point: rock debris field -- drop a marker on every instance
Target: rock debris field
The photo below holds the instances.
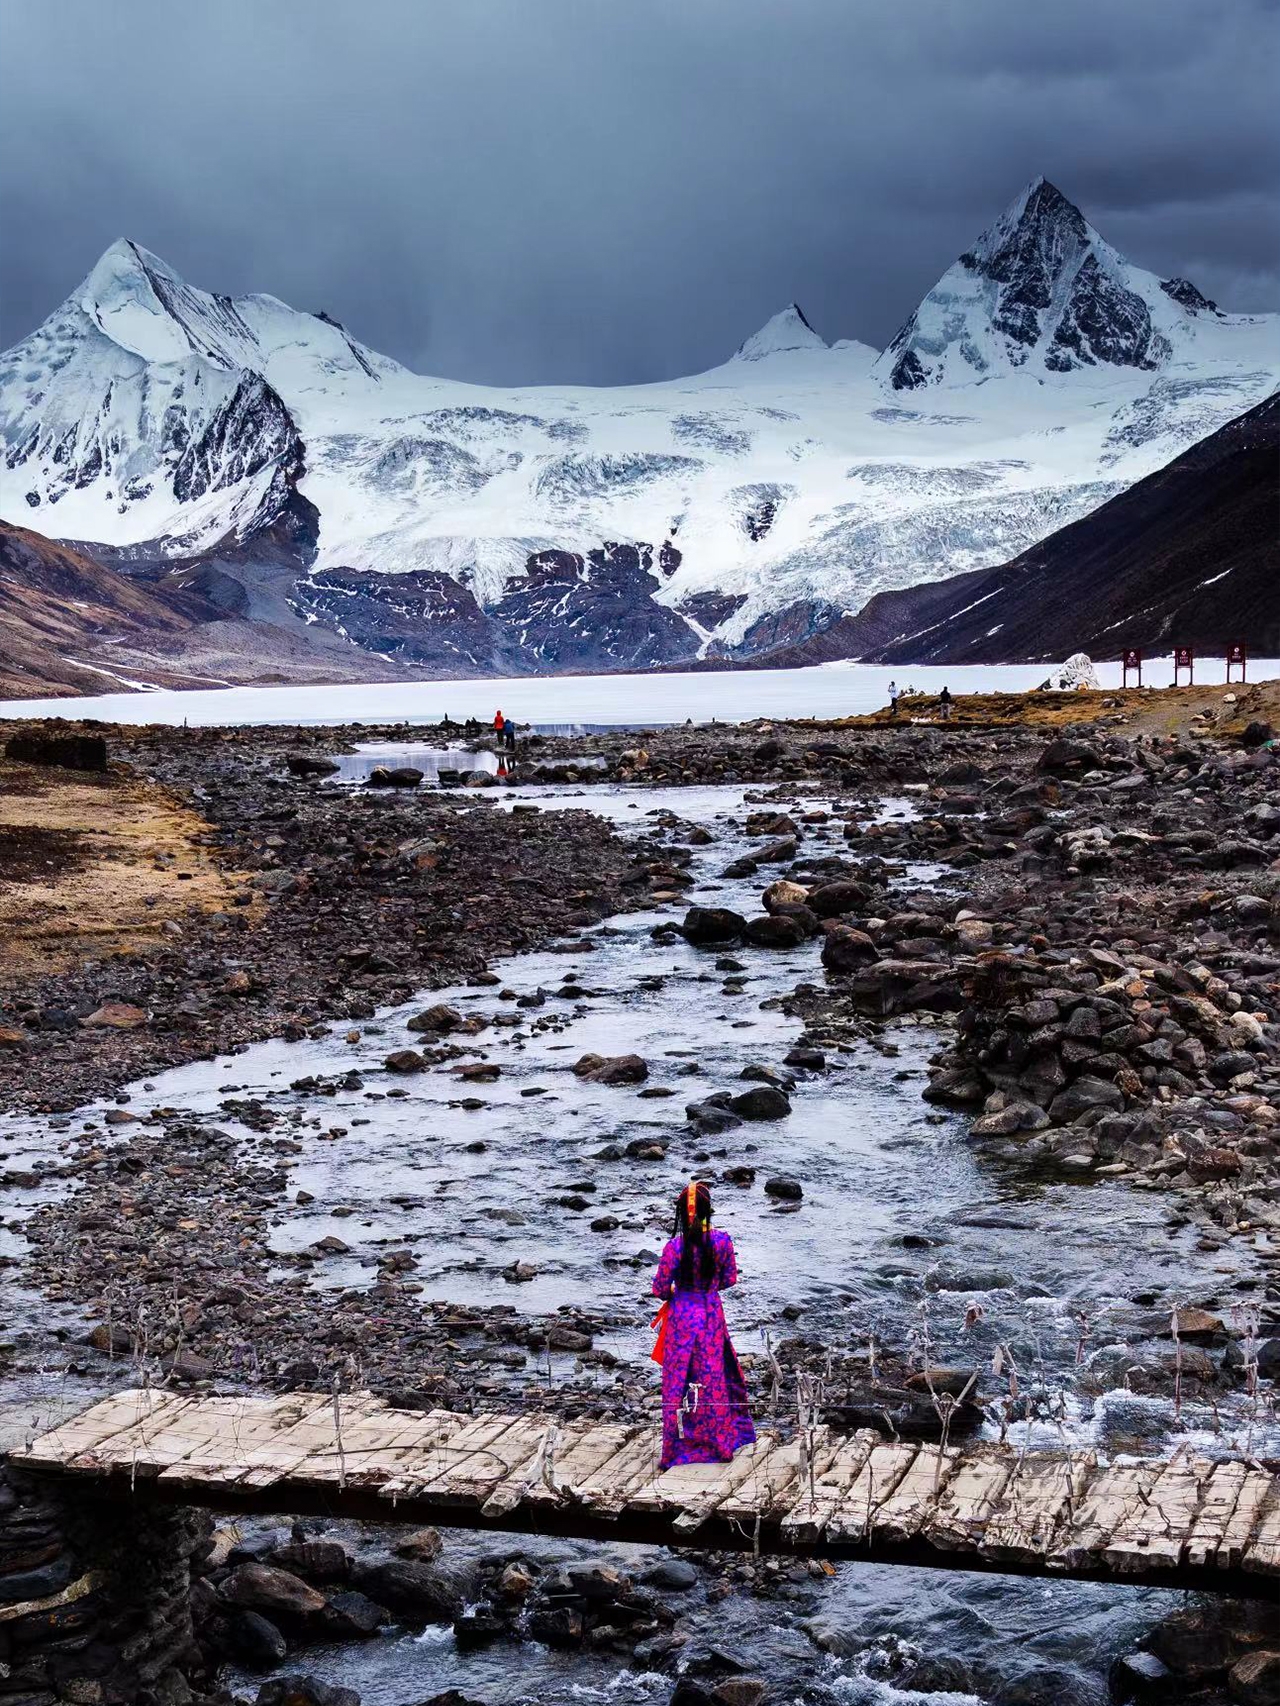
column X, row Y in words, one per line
column 974, row 1032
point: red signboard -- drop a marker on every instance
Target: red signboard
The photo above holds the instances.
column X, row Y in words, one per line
column 1235, row 656
column 1132, row 660
column 1183, row 659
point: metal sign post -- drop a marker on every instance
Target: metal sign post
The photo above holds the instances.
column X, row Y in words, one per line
column 1183, row 659
column 1235, row 655
column 1132, row 661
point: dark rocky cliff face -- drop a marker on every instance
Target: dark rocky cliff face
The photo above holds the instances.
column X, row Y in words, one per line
column 423, row 618
column 1103, row 322
column 594, row 611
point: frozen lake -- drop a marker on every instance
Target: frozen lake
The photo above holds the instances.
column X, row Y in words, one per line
column 619, row 701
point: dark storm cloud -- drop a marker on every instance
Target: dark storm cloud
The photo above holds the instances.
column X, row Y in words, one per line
column 612, row 190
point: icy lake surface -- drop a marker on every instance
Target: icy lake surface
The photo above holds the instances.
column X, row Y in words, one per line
column 901, row 1229
column 572, row 702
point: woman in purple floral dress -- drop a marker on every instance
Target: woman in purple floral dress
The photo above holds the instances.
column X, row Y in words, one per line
column 704, row 1397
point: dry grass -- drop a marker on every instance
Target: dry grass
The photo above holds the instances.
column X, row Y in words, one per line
column 1166, row 710
column 92, row 865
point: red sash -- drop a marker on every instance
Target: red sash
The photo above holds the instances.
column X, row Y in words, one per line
column 660, row 1322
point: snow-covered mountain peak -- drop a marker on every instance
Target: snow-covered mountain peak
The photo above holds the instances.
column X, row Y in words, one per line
column 1040, row 232
column 145, row 308
column 786, row 330
column 1041, row 290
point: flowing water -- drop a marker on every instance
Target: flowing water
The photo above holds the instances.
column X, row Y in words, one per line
column 902, row 1229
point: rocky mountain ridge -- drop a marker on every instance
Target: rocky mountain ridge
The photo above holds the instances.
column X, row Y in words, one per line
column 301, row 479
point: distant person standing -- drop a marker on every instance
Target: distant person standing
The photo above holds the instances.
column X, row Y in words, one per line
column 509, row 732
column 893, row 698
column 499, row 724
column 944, row 704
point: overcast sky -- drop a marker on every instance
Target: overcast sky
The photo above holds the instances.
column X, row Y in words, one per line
column 617, row 190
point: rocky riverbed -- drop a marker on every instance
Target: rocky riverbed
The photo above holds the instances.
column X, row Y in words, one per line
column 918, row 1001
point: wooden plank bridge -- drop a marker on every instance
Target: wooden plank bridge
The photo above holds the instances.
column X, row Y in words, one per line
column 1184, row 1521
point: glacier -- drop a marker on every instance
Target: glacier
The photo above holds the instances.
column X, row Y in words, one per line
column 718, row 515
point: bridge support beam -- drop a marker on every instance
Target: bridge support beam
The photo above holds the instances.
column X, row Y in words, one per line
column 95, row 1603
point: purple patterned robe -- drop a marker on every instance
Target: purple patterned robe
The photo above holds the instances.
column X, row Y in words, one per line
column 704, row 1397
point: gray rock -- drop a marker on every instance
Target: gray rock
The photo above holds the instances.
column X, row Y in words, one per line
column 707, row 925
column 1081, row 1095
column 261, row 1587
column 761, row 1102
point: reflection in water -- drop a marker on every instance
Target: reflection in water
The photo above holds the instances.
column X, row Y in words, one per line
column 357, row 766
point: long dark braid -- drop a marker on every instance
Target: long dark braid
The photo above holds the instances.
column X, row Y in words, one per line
column 696, row 1266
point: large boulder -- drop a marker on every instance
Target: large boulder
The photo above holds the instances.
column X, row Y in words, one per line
column 775, row 930
column 906, row 986
column 262, row 1587
column 303, row 764
column 1067, row 758
column 439, row 1018
column 705, row 926
column 305, row 1691
column 712, row 1116
column 784, row 893
column 1254, row 1680
column 418, row 1592
column 846, row 949
column 761, row 1102
column 776, row 852
column 611, row 1069
column 404, row 1060
column 313, row 1560
column 834, row 899
column 1082, row 1095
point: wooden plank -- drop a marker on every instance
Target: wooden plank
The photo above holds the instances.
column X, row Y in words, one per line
column 1220, row 1498
column 854, row 1517
column 1041, row 1493
column 436, row 1444
column 969, row 1500
column 537, row 1470
column 255, row 1437
column 902, row 1515
column 769, row 1491
column 141, row 1413
column 95, row 1426
column 1113, row 1499
column 753, row 1463
column 154, row 1445
column 1262, row 1553
column 308, row 1450
column 374, row 1447
column 1153, row 1536
column 463, row 1455
column 814, row 1507
column 603, row 1461
column 1250, row 1503
column 621, row 1479
column 504, row 1457
column 694, row 1490
column 575, row 1467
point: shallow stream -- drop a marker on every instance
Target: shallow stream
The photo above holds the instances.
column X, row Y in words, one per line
column 901, row 1230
